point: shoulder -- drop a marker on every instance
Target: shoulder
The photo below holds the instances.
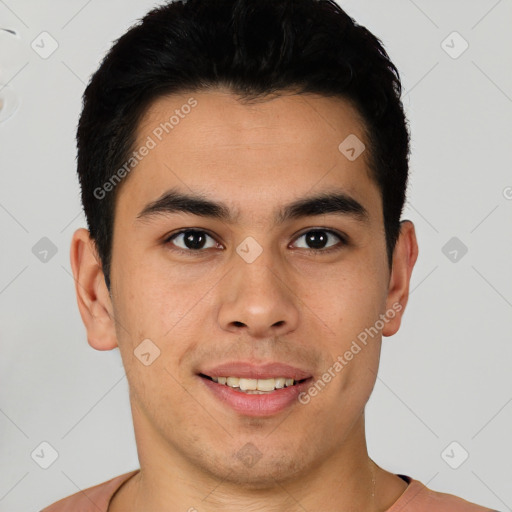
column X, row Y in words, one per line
column 419, row 498
column 93, row 499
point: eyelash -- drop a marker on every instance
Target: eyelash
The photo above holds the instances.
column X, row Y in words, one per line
column 199, row 252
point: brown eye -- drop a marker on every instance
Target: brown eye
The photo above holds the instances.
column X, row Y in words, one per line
column 191, row 240
column 321, row 240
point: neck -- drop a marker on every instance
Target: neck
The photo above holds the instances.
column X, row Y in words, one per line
column 345, row 480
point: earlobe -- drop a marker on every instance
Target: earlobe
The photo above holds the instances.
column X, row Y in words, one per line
column 94, row 302
column 404, row 259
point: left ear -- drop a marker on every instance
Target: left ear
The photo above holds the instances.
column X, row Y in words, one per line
column 404, row 258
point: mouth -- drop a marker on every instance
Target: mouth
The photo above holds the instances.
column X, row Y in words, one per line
column 250, row 390
column 255, row 386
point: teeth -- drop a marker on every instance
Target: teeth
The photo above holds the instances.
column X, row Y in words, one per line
column 280, row 382
column 266, row 384
column 255, row 386
column 233, row 382
column 248, row 384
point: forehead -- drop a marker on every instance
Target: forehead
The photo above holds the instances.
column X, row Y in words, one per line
column 219, row 119
column 251, row 154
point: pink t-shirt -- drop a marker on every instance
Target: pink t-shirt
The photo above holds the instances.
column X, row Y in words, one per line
column 415, row 498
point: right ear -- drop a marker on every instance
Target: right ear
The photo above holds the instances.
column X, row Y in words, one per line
column 92, row 294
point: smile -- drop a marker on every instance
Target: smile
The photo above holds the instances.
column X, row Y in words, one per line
column 255, row 386
column 262, row 397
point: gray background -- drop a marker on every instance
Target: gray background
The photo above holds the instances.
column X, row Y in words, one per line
column 444, row 377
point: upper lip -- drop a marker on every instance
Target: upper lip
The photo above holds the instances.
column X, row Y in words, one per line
column 250, row 370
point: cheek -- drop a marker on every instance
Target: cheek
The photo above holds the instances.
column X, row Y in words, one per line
column 347, row 306
column 346, row 299
column 152, row 298
column 158, row 393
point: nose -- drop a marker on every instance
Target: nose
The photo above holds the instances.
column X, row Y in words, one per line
column 258, row 298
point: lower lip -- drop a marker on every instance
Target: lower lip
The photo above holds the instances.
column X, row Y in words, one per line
column 257, row 405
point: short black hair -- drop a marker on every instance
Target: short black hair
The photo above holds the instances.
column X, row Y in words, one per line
column 255, row 48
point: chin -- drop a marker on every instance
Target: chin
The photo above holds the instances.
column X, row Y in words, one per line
column 263, row 479
column 256, row 471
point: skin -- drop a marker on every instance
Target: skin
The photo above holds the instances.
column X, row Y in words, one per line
column 288, row 305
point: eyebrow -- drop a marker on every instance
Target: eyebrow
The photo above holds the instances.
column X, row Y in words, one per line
column 336, row 202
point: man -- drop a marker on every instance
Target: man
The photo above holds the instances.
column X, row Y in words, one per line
column 243, row 168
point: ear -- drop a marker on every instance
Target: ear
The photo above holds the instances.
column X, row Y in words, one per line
column 92, row 295
column 404, row 258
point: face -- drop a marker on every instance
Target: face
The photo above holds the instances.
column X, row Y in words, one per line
column 262, row 293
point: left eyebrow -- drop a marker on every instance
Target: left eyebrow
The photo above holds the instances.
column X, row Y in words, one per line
column 333, row 202
column 338, row 203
